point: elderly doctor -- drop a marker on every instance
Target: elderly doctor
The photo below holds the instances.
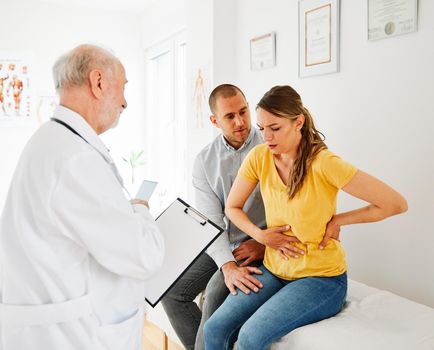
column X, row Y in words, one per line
column 74, row 252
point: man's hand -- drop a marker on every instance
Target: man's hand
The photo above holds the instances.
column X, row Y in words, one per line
column 274, row 238
column 139, row 201
column 332, row 231
column 249, row 251
column 241, row 277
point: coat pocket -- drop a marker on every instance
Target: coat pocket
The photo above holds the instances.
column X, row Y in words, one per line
column 124, row 335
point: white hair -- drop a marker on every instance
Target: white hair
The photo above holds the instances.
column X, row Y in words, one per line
column 72, row 68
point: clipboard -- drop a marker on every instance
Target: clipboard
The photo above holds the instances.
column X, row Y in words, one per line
column 187, row 234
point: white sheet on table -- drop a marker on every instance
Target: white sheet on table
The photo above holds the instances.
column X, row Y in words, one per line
column 371, row 320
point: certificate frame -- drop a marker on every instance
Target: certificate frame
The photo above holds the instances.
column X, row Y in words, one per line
column 391, row 18
column 319, row 32
column 263, row 51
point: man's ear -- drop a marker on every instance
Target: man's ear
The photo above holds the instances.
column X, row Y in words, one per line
column 96, row 83
column 213, row 120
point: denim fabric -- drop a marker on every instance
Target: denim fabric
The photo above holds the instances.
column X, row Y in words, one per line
column 215, row 294
column 184, row 314
column 256, row 320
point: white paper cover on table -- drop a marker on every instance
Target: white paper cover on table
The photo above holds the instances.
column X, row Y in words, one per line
column 372, row 319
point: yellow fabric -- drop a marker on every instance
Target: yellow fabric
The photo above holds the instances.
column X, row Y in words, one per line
column 307, row 213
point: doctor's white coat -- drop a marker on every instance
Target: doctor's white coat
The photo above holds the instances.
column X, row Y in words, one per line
column 74, row 253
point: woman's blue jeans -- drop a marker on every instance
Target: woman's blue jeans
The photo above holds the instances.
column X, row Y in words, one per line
column 256, row 320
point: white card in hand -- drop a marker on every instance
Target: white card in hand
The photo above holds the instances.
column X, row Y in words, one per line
column 146, row 189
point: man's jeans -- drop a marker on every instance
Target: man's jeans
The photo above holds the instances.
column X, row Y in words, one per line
column 184, row 314
column 259, row 319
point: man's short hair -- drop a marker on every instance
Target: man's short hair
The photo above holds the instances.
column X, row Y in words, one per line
column 225, row 91
column 72, row 69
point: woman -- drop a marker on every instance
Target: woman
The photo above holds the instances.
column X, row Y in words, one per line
column 299, row 179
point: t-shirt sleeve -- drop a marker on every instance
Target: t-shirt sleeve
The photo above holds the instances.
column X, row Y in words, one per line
column 337, row 171
column 249, row 169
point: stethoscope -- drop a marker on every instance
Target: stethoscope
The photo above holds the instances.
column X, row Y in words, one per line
column 106, row 158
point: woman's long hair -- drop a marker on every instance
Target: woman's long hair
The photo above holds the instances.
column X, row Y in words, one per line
column 285, row 102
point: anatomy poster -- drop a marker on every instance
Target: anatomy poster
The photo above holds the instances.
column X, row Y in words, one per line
column 15, row 97
column 200, row 96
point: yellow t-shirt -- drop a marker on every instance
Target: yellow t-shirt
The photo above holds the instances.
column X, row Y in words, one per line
column 307, row 213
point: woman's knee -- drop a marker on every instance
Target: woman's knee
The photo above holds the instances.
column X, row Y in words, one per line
column 207, row 329
column 250, row 337
column 212, row 333
column 218, row 331
column 213, row 328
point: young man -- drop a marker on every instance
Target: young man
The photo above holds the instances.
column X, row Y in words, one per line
column 227, row 265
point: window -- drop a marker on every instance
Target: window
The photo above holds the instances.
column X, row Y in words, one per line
column 166, row 120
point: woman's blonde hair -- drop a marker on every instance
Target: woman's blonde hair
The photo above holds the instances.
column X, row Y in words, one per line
column 285, row 102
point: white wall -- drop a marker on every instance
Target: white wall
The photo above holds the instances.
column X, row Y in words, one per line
column 200, row 49
column 377, row 113
column 161, row 20
column 46, row 31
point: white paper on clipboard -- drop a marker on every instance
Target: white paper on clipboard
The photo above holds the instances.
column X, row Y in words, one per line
column 187, row 233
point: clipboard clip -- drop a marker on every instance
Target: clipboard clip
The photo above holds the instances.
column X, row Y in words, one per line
column 196, row 215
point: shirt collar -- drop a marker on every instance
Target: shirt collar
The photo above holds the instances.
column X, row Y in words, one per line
column 81, row 126
column 244, row 145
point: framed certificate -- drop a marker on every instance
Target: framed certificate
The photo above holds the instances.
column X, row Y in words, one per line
column 318, row 37
column 387, row 18
column 263, row 51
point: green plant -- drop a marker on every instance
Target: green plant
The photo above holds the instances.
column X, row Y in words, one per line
column 135, row 160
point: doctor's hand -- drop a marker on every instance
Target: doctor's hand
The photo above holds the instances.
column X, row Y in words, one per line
column 275, row 238
column 249, row 251
column 241, row 278
column 332, row 231
column 139, row 201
